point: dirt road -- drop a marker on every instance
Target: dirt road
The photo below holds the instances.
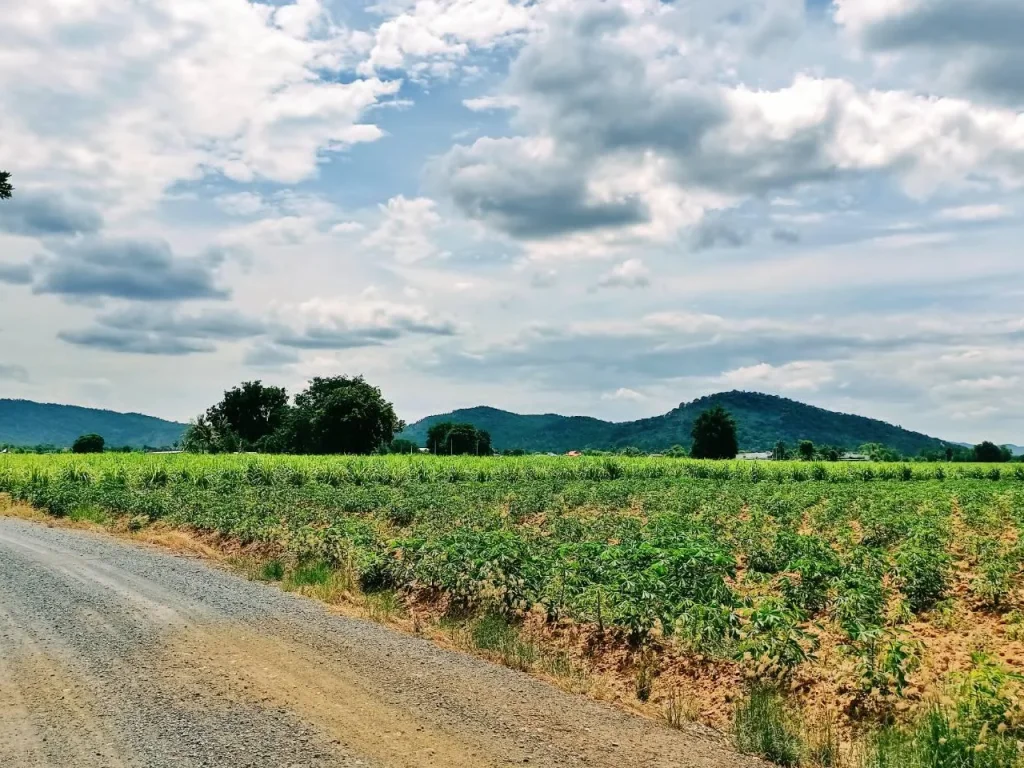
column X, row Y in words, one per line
column 113, row 655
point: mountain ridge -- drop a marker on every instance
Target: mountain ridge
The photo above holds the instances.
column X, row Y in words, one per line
column 28, row 423
column 762, row 420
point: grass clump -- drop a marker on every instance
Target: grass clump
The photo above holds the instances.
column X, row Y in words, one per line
column 765, row 726
column 979, row 728
column 494, row 633
column 271, row 570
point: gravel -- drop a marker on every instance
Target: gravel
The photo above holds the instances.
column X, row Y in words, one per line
column 113, row 654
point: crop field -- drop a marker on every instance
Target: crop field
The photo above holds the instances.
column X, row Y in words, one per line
column 820, row 611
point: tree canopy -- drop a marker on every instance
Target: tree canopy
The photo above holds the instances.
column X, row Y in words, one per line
column 714, row 435
column 88, row 444
column 450, row 438
column 252, row 411
column 990, row 453
column 6, row 190
column 339, row 414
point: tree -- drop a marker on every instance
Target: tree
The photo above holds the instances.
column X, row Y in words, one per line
column 676, row 452
column 449, row 438
column 401, row 445
column 781, row 452
column 341, row 414
column 6, row 190
column 806, row 450
column 252, row 411
column 209, row 435
column 88, row 444
column 714, row 435
column 988, row 453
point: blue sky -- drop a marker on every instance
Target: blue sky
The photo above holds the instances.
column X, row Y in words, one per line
column 599, row 207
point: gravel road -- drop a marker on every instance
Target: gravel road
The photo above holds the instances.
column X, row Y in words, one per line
column 115, row 655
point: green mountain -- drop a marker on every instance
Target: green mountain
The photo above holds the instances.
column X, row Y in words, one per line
column 23, row 422
column 762, row 420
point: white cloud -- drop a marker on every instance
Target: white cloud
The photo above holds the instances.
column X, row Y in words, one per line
column 129, row 99
column 798, row 375
column 989, row 212
column 428, row 36
column 624, row 393
column 406, row 229
column 629, row 274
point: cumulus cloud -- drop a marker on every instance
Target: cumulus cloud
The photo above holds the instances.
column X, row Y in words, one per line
column 406, row 228
column 40, row 214
column 595, row 100
column 177, row 97
column 429, row 38
column 366, row 322
column 128, row 269
column 629, row 274
column 977, row 44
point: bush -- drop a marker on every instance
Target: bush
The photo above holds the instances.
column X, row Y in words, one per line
column 88, row 444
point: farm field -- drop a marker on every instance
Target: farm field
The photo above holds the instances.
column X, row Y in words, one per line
column 827, row 613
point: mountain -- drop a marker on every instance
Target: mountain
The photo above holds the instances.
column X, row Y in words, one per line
column 23, row 422
column 762, row 420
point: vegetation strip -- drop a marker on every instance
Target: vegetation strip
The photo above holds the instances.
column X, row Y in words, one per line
column 882, row 613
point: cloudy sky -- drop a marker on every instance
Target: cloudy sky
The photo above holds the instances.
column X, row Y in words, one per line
column 600, row 207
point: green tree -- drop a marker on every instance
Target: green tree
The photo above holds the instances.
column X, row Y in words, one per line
column 676, row 452
column 252, row 411
column 714, row 435
column 341, row 414
column 209, row 435
column 6, row 190
column 989, row 453
column 88, row 444
column 806, row 450
column 781, row 452
column 449, row 438
column 401, row 445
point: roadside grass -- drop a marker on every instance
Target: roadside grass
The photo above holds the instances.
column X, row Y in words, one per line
column 680, row 709
column 765, row 726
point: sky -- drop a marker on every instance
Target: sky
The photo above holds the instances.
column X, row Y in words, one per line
column 601, row 207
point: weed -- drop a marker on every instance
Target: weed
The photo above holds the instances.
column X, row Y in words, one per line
column 680, row 709
column 495, row 634
column 765, row 726
column 646, row 671
column 317, row 573
column 271, row 570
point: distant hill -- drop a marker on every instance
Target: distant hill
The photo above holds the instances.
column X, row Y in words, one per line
column 23, row 422
column 762, row 421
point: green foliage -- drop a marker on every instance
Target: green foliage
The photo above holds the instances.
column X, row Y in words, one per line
column 764, row 726
column 990, row 453
column 88, row 444
column 404, row 447
column 806, row 450
column 714, row 435
column 252, row 412
column 977, row 727
column 6, row 188
column 761, row 420
column 633, row 547
column 450, row 439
